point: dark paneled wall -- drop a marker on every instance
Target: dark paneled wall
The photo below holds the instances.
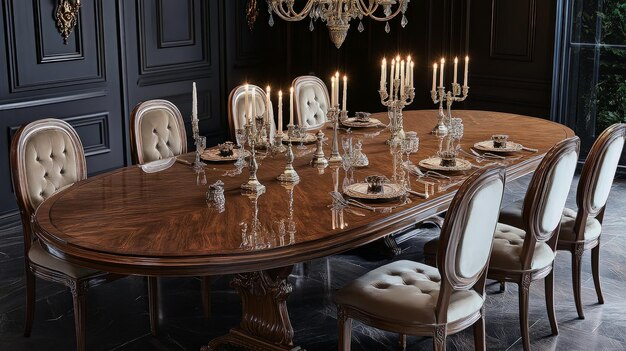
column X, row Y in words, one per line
column 123, row 52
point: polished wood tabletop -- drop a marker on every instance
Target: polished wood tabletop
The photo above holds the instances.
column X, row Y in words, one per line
column 131, row 222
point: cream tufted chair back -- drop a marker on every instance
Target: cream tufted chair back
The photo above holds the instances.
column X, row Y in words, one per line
column 468, row 231
column 598, row 172
column 157, row 131
column 46, row 156
column 237, row 103
column 548, row 190
column 311, row 101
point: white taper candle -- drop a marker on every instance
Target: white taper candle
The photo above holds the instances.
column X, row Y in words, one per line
column 434, row 77
column 280, row 112
column 443, row 63
column 291, row 106
column 466, row 71
column 345, row 93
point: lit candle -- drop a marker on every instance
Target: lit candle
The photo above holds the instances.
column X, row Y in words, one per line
column 291, row 106
column 247, row 104
column 267, row 104
column 443, row 62
column 345, row 93
column 383, row 74
column 280, row 112
column 412, row 77
column 397, row 68
column 391, row 75
column 402, row 77
column 408, row 76
column 456, row 66
column 337, row 88
column 434, row 77
column 254, row 114
column 466, row 70
column 332, row 91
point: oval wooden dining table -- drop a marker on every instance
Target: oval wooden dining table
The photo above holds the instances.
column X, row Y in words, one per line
column 158, row 224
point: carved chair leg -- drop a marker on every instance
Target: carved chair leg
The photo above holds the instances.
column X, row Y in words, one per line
column 344, row 328
column 153, row 305
column 502, row 286
column 80, row 306
column 524, row 289
column 30, row 302
column 479, row 333
column 595, row 269
column 439, row 339
column 206, row 296
column 402, row 342
column 576, row 275
column 549, row 285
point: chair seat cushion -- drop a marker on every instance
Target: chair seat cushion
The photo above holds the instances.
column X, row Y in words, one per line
column 593, row 228
column 39, row 256
column 507, row 247
column 407, row 292
column 512, row 215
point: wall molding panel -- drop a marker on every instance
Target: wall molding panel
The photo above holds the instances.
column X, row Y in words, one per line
column 510, row 19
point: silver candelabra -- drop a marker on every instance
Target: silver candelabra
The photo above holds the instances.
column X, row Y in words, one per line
column 450, row 97
column 334, row 116
column 289, row 174
column 399, row 97
column 253, row 185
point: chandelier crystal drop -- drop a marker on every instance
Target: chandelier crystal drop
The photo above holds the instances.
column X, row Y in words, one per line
column 337, row 14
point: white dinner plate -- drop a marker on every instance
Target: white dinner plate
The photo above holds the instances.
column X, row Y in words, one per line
column 487, row 145
column 359, row 191
column 434, row 164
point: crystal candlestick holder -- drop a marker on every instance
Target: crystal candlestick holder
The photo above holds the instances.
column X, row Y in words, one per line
column 289, row 175
column 399, row 97
column 440, row 96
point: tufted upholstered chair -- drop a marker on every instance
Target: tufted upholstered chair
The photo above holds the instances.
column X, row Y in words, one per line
column 526, row 253
column 157, row 131
column 412, row 298
column 236, row 108
column 311, row 102
column 580, row 229
column 46, row 157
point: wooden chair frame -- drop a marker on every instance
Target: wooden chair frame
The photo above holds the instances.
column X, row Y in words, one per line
column 586, row 184
column 78, row 287
column 535, row 199
column 451, row 236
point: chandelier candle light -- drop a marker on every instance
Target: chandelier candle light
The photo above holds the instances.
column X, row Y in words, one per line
column 439, row 94
column 401, row 93
column 337, row 14
column 336, row 113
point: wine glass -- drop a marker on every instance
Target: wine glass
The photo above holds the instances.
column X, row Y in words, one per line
column 240, row 138
column 301, row 135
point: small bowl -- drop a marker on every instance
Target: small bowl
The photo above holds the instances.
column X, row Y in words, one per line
column 499, row 140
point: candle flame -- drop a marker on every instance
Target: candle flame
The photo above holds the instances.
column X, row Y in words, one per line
column 398, row 58
column 412, row 64
column 435, row 66
column 345, row 78
column 291, row 90
column 456, row 60
column 280, row 93
column 337, row 74
column 466, row 58
column 384, row 61
column 443, row 60
column 408, row 58
column 268, row 88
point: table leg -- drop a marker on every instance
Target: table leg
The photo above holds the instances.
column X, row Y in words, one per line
column 265, row 323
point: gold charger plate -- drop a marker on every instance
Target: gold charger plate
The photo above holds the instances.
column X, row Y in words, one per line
column 391, row 191
column 487, row 145
column 308, row 139
column 352, row 122
column 434, row 164
column 213, row 155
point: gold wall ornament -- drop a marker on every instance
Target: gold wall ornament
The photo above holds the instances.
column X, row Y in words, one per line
column 337, row 14
column 67, row 17
column 252, row 12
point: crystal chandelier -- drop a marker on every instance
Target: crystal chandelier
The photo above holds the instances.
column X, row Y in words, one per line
column 337, row 14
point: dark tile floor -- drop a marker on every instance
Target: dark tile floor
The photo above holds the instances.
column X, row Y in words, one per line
column 118, row 320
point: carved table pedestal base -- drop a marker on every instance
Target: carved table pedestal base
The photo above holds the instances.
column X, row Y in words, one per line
column 265, row 323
